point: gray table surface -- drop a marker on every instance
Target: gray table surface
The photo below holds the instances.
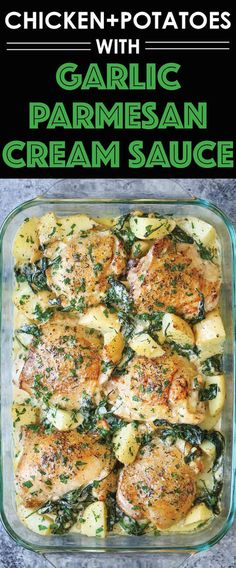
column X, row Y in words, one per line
column 222, row 555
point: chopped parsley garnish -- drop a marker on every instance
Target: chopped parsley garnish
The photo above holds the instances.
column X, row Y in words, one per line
column 27, row 484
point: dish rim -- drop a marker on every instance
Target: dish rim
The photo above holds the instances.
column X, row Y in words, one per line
column 202, row 203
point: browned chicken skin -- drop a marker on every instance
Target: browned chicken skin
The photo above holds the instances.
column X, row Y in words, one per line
column 52, row 464
column 162, row 387
column 159, row 486
column 174, row 276
column 80, row 276
column 62, row 366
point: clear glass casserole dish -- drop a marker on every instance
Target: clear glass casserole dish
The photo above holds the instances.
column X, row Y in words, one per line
column 192, row 542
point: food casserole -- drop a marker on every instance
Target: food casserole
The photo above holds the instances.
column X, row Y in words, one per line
column 106, row 208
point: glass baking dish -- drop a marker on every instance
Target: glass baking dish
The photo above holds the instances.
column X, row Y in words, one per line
column 62, row 205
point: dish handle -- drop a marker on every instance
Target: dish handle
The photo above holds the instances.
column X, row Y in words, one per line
column 116, row 189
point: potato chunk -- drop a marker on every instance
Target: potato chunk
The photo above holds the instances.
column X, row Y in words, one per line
column 95, row 520
column 35, row 306
column 211, row 422
column 26, row 243
column 140, row 248
column 114, row 344
column 208, row 448
column 210, row 335
column 40, row 524
column 143, row 344
column 64, row 420
column 126, row 445
column 24, row 414
column 217, row 403
column 151, row 228
column 53, row 228
column 197, row 515
column 201, row 231
column 101, row 319
column 176, row 329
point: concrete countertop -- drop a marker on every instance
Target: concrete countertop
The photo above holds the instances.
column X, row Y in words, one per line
column 223, row 555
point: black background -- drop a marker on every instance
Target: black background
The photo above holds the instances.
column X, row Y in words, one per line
column 30, row 76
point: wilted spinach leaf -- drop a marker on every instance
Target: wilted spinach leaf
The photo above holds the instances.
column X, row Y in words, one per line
column 201, row 310
column 181, row 236
column 212, row 366
column 35, row 273
column 121, row 368
column 118, row 296
column 123, row 232
column 115, row 515
column 31, row 329
column 208, row 393
column 68, row 508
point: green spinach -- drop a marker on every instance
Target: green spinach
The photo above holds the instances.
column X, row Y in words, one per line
column 206, row 253
column 180, row 236
column 68, row 508
column 123, row 232
column 93, row 414
column 195, row 436
column 208, row 393
column 212, row 366
column 115, row 515
column 31, row 329
column 121, row 368
column 118, row 296
column 35, row 273
column 201, row 310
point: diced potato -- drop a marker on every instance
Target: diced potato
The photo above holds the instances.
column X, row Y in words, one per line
column 197, row 516
column 64, row 419
column 26, row 243
column 208, row 448
column 160, row 336
column 33, row 520
column 21, row 322
column 105, row 486
column 49, row 229
column 35, row 306
column 53, row 228
column 95, row 520
column 205, row 477
column 217, row 403
column 118, row 529
column 176, row 329
column 114, row 344
column 40, row 524
column 151, row 228
column 210, row 335
column 20, row 319
column 106, row 221
column 19, row 395
column 181, row 445
column 74, row 224
column 76, row 528
column 201, row 231
column 24, row 338
column 101, row 319
column 144, row 345
column 211, row 422
column 126, row 445
column 140, row 248
column 24, row 414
